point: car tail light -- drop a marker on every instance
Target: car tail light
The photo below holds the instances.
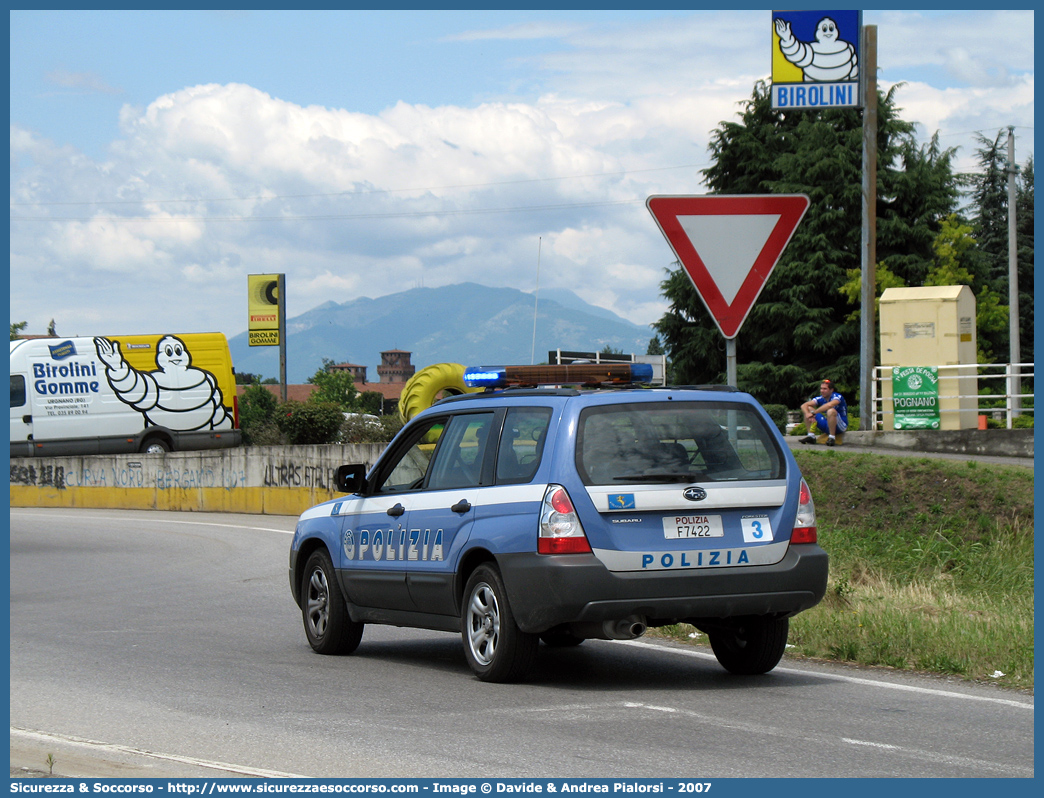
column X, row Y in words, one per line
column 560, row 529
column 805, row 523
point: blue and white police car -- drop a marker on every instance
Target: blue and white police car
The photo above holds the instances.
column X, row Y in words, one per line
column 525, row 514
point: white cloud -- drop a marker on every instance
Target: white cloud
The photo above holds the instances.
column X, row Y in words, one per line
column 958, row 114
column 984, row 48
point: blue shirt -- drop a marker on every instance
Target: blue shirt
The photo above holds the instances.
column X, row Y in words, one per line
column 841, row 407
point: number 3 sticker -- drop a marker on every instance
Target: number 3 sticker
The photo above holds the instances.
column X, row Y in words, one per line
column 756, row 529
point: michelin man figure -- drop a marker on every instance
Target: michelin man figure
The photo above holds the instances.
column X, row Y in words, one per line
column 175, row 396
column 828, row 58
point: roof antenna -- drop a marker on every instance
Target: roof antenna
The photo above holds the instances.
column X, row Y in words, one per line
column 536, row 300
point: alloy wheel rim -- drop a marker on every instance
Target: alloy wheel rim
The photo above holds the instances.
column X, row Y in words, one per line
column 318, row 603
column 483, row 624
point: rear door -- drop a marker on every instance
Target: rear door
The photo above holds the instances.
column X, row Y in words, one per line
column 684, row 485
column 21, row 418
column 441, row 517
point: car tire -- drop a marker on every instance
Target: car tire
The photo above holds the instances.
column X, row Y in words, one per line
column 495, row 648
column 328, row 627
column 560, row 638
column 752, row 645
column 155, row 446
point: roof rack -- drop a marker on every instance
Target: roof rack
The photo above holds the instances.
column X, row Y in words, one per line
column 492, row 393
column 587, row 374
column 721, row 388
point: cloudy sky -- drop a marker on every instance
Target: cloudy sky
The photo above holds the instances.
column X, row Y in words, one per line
column 157, row 158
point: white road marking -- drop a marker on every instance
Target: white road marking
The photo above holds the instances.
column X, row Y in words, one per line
column 872, row 745
column 669, row 710
column 95, row 745
column 165, row 522
column 844, row 678
column 750, row 730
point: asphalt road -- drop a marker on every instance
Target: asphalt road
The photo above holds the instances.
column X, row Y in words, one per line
column 155, row 644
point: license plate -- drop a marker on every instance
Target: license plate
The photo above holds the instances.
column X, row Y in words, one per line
column 692, row 526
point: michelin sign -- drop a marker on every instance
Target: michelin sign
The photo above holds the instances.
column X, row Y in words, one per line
column 815, row 59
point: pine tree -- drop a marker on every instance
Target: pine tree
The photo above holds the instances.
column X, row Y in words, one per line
column 989, row 212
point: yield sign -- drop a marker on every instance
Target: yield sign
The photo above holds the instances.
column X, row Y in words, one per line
column 729, row 245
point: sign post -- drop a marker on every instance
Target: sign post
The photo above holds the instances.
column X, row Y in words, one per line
column 728, row 244
column 828, row 59
column 266, row 307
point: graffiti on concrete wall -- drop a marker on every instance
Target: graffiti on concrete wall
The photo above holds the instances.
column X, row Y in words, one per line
column 47, row 476
column 288, row 474
column 275, row 473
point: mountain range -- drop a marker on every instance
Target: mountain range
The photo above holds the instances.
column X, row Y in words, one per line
column 464, row 323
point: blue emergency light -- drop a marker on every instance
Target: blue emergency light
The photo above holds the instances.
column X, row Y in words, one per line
column 568, row 374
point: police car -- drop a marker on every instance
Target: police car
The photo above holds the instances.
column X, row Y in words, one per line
column 597, row 508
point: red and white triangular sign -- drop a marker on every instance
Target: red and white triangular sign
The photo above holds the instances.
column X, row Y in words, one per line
column 728, row 244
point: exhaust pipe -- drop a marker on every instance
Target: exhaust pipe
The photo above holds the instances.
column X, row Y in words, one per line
column 621, row 629
column 625, row 629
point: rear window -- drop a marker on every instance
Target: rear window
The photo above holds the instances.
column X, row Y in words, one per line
column 675, row 442
column 522, row 443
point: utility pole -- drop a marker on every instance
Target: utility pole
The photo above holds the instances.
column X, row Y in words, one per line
column 1014, row 380
column 868, row 285
column 281, row 291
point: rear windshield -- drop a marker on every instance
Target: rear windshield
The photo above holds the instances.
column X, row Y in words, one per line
column 675, row 442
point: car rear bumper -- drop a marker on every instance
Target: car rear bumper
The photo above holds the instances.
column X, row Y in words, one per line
column 546, row 591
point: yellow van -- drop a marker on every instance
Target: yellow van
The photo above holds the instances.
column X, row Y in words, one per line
column 122, row 394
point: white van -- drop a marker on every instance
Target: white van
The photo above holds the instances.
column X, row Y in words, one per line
column 122, row 394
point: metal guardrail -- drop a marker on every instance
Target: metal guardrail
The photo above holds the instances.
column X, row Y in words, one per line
column 1014, row 377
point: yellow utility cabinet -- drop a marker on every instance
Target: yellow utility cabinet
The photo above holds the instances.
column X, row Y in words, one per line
column 933, row 326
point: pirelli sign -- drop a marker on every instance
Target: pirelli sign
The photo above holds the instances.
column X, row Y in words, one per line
column 265, row 307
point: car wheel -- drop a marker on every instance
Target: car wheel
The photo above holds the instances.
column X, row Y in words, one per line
column 328, row 627
column 753, row 645
column 560, row 638
column 154, row 446
column 496, row 649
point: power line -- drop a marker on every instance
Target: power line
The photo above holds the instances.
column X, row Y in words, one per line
column 326, row 217
column 365, row 192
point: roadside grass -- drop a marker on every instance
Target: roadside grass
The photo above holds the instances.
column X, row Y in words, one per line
column 931, row 567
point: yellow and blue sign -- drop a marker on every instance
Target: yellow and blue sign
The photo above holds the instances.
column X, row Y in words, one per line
column 816, row 59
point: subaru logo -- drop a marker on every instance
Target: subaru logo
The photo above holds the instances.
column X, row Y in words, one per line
column 695, row 494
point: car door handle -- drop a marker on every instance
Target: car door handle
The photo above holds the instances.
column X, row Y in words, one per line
column 27, row 419
column 461, row 507
column 396, row 510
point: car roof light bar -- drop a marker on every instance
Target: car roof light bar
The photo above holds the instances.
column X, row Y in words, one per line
column 569, row 374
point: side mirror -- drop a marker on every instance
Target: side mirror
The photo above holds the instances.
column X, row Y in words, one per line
column 351, row 478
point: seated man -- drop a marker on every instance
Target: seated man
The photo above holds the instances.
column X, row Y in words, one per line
column 828, row 410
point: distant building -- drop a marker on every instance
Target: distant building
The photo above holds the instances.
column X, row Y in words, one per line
column 395, row 366
column 394, row 371
column 358, row 372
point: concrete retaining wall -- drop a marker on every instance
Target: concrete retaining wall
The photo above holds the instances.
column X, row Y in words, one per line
column 988, row 442
column 286, row 480
column 277, row 480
